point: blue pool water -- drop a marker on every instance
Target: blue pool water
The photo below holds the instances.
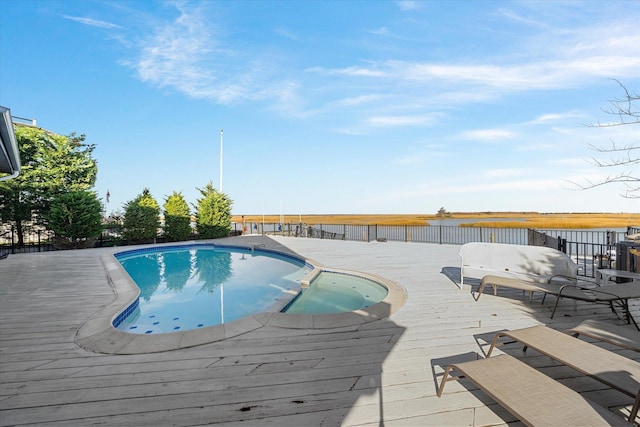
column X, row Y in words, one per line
column 192, row 287
column 332, row 292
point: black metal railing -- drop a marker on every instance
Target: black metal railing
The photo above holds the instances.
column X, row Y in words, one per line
column 35, row 239
column 590, row 249
column 4, row 250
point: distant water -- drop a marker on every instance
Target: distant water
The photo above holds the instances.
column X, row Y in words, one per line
column 456, row 222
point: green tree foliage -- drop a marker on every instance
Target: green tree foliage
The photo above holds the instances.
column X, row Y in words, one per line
column 177, row 217
column 177, row 278
column 51, row 165
column 216, row 267
column 141, row 218
column 213, row 213
column 146, row 272
column 76, row 218
column 443, row 213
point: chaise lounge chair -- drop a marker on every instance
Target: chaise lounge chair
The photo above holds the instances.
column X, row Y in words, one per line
column 618, row 294
column 608, row 367
column 531, row 396
column 524, row 285
column 608, row 332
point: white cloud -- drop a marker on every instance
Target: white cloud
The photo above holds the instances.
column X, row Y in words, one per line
column 172, row 56
column 353, row 71
column 380, row 31
column 520, row 19
column 489, row 135
column 506, row 78
column 554, row 117
column 350, row 131
column 537, row 75
column 359, row 100
column 186, row 55
column 92, row 22
column 569, row 161
column 411, row 159
column 409, row 5
column 502, row 173
column 542, row 185
column 285, row 33
column 391, row 121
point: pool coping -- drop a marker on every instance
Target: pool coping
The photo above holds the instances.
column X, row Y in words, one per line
column 99, row 335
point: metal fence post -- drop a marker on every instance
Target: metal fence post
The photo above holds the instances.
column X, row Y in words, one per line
column 13, row 241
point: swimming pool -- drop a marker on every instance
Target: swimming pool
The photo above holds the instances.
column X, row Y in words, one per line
column 98, row 333
column 334, row 292
column 190, row 287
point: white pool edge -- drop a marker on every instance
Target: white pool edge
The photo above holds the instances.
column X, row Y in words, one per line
column 99, row 335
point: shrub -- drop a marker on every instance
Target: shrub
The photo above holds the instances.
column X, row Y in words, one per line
column 213, row 213
column 141, row 218
column 76, row 218
column 177, row 218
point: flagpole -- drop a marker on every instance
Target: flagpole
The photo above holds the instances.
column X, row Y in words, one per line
column 221, row 132
column 222, row 286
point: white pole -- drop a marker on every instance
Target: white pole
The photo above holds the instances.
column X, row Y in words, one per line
column 221, row 132
column 222, row 303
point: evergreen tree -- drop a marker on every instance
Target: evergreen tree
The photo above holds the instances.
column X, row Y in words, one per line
column 177, row 218
column 213, row 213
column 51, row 165
column 76, row 218
column 141, row 218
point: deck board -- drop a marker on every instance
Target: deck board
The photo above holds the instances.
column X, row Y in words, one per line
column 380, row 372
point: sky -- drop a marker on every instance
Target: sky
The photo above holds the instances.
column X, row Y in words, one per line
column 333, row 107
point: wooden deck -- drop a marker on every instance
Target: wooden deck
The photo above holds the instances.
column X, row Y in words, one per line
column 381, row 373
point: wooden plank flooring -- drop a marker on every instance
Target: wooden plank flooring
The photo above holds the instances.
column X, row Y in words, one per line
column 380, row 373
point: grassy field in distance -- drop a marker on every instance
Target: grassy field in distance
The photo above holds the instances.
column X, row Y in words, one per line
column 531, row 219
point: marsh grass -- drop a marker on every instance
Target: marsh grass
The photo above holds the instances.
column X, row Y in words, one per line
column 531, row 219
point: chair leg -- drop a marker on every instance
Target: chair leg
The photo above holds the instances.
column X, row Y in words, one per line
column 479, row 291
column 445, row 378
column 494, row 343
column 555, row 307
column 634, row 409
column 627, row 312
column 613, row 309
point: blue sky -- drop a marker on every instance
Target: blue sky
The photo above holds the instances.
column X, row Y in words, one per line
column 332, row 106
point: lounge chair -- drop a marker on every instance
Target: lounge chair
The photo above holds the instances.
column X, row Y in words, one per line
column 618, row 294
column 608, row 332
column 530, row 263
column 510, row 282
column 531, row 396
column 608, row 367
